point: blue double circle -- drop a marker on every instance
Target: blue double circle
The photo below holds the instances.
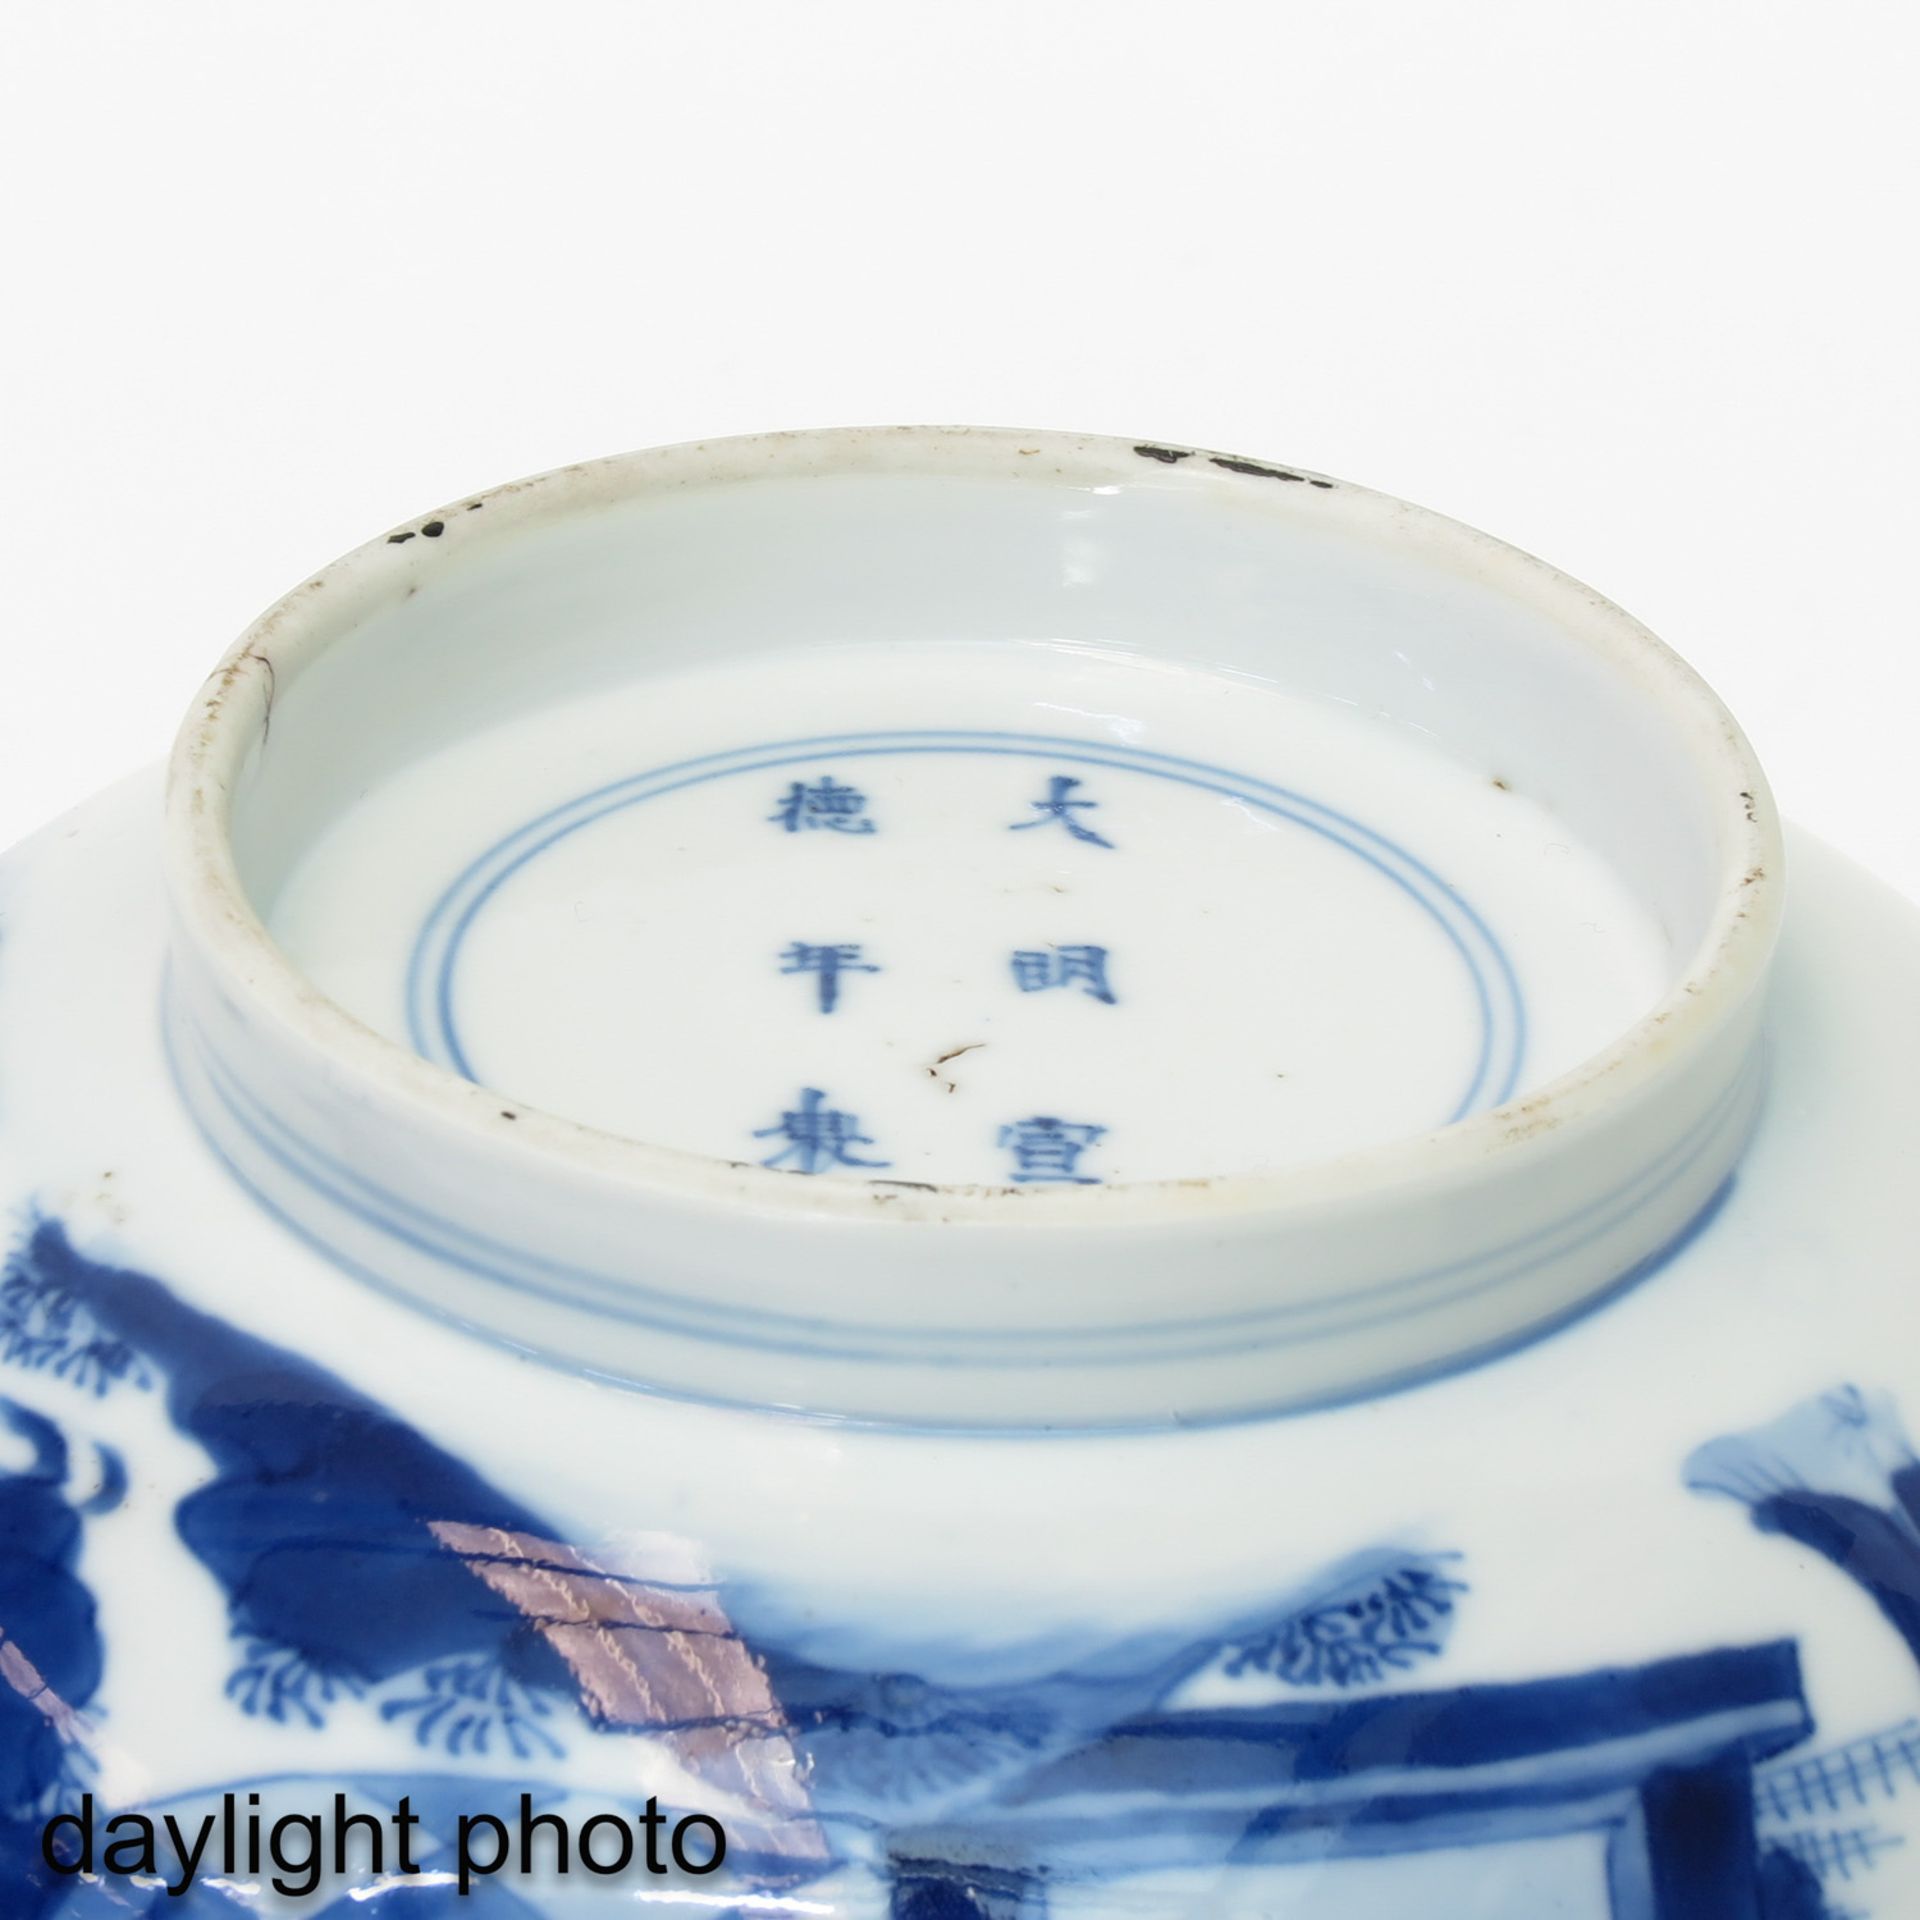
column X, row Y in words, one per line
column 434, row 964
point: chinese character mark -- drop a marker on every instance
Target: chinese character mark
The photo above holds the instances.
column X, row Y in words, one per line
column 817, row 1137
column 1044, row 1148
column 1057, row 806
column 1035, row 969
column 827, row 805
column 829, row 963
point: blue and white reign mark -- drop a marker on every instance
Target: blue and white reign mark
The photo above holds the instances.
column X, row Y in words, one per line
column 1046, row 1148
column 814, row 1137
column 825, row 806
column 1035, row 969
column 826, row 964
column 1059, row 806
column 822, row 797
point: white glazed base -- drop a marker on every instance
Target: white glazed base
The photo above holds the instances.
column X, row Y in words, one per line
column 1555, row 1474
column 1237, row 941
column 1223, row 974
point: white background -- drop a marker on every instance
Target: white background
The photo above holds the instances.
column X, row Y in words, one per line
column 1632, row 285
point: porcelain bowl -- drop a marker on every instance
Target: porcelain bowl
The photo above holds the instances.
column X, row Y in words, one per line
column 1236, row 876
column 955, row 1173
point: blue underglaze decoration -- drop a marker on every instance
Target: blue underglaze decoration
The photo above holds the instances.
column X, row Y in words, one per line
column 815, row 1137
column 1665, row 1750
column 276, row 1682
column 113, row 1483
column 1058, row 806
column 1844, row 1854
column 472, row 1706
column 828, row 964
column 1836, row 1474
column 45, row 1326
column 1498, row 1005
column 1789, row 1889
column 359, row 1559
column 1385, row 1623
column 1877, row 1766
column 1035, row 969
column 51, row 1659
column 824, row 806
column 1045, row 1147
column 316, row 1522
column 625, row 1298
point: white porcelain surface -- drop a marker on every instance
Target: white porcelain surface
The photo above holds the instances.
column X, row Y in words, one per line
column 1265, row 995
column 1427, row 901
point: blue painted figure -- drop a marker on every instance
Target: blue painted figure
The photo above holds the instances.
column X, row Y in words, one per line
column 1035, row 969
column 1836, row 1474
column 1045, row 1148
column 1056, row 806
column 829, row 963
column 817, row 1137
column 827, row 805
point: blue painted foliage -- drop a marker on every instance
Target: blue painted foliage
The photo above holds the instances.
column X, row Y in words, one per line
column 1382, row 1625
